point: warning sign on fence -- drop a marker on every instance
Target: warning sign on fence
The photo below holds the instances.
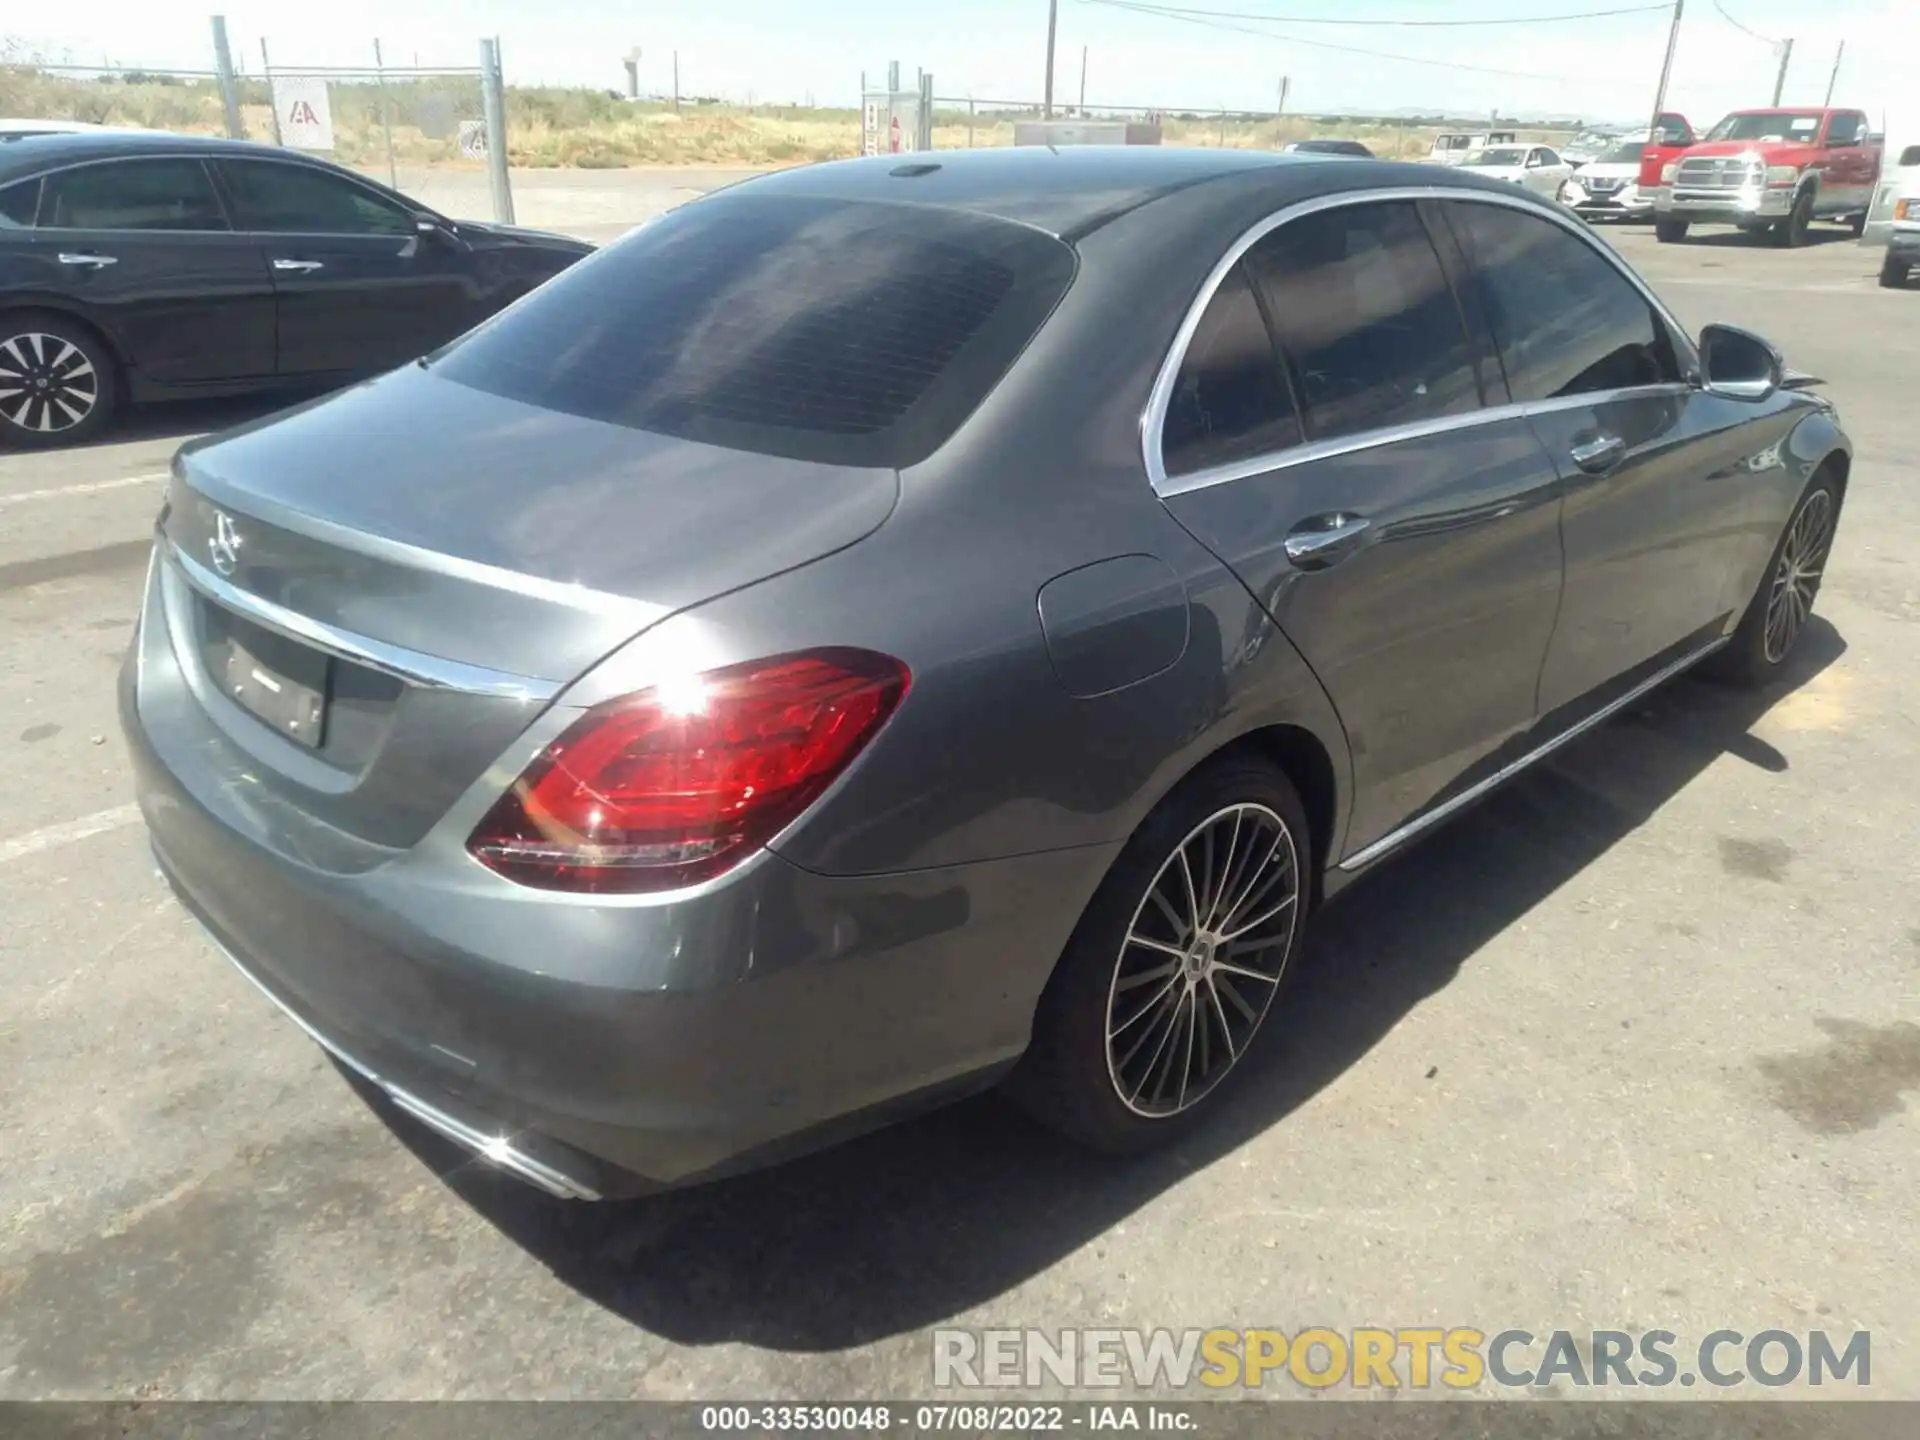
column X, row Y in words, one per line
column 473, row 139
column 305, row 116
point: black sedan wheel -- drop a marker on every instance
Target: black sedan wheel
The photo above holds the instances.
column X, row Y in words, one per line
column 1165, row 985
column 56, row 381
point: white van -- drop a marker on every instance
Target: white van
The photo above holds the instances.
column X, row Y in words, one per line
column 1452, row 146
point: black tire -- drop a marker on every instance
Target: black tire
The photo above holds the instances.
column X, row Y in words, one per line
column 1669, row 232
column 1760, row 648
column 1195, row 995
column 1857, row 223
column 58, row 383
column 1791, row 233
column 1893, row 274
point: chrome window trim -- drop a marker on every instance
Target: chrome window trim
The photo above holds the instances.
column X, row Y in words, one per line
column 413, row 666
column 1393, row 434
column 1153, row 417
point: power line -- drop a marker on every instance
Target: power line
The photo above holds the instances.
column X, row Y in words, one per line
column 1764, row 39
column 1410, row 24
column 1165, row 13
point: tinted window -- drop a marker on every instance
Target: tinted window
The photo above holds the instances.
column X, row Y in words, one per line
column 1846, row 129
column 1230, row 400
column 1566, row 321
column 132, row 195
column 861, row 334
column 289, row 199
column 1547, row 157
column 17, row 204
column 1366, row 317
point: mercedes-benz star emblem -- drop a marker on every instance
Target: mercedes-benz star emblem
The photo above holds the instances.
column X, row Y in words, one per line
column 223, row 546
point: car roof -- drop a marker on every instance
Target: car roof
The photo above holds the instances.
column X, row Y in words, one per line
column 32, row 154
column 1068, row 190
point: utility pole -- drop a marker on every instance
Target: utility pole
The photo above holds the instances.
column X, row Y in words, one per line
column 676, row 82
column 1053, row 23
column 229, row 86
column 1083, row 82
column 1834, row 78
column 1666, row 66
column 1780, row 80
column 1281, row 108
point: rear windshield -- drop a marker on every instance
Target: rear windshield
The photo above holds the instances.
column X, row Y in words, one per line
column 856, row 334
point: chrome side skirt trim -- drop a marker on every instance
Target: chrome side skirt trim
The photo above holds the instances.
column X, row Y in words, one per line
column 1428, row 819
column 413, row 666
column 495, row 1149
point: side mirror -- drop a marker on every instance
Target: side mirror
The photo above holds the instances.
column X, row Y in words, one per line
column 1738, row 364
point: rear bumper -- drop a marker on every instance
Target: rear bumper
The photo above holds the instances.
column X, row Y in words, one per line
column 605, row 1047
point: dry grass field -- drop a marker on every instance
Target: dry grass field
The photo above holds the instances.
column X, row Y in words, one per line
column 556, row 128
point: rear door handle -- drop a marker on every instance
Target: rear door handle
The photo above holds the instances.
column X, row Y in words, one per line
column 1324, row 540
column 1600, row 454
column 298, row 267
column 92, row 262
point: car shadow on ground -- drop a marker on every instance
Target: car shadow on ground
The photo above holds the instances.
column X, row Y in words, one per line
column 910, row 1226
column 1739, row 240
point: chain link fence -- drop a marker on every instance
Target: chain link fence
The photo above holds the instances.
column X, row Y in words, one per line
column 436, row 133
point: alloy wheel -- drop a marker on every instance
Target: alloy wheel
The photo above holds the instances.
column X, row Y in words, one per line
column 1796, row 579
column 1202, row 959
column 47, row 384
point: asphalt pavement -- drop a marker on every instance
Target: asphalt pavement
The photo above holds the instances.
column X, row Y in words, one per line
column 1633, row 1045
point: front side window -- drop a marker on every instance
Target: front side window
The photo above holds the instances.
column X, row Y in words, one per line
column 850, row 333
column 1566, row 321
column 299, row 199
column 172, row 194
column 1366, row 318
column 1846, row 129
column 17, row 205
column 1230, row 401
column 1546, row 156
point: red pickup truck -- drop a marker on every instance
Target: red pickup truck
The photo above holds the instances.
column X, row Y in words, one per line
column 1771, row 172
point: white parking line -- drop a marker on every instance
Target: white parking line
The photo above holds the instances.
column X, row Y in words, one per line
column 54, row 836
column 90, row 488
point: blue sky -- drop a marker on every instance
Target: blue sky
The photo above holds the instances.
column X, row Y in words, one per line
column 770, row 50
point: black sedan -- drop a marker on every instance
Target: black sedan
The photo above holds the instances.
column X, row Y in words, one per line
column 145, row 266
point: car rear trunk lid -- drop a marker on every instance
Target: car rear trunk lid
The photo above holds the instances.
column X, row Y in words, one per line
column 373, row 595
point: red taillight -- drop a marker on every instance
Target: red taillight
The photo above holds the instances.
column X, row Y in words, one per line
column 676, row 784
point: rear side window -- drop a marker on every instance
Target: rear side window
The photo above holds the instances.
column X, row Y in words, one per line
column 1367, row 319
column 132, row 195
column 856, row 334
column 1230, row 400
column 1566, row 321
column 17, row 204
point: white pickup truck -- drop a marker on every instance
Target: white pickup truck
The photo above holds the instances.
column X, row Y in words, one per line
column 1894, row 218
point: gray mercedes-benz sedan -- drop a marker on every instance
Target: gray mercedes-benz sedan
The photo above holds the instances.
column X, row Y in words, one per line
column 887, row 628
